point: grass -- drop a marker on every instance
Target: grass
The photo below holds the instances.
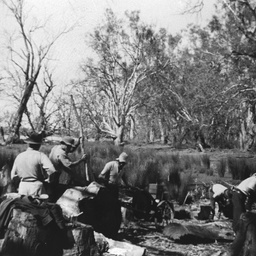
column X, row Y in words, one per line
column 175, row 170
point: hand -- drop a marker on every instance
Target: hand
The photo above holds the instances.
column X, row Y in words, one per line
column 84, row 157
column 47, row 180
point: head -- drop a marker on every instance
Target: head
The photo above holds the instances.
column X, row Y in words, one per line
column 68, row 142
column 228, row 193
column 122, row 160
column 34, row 140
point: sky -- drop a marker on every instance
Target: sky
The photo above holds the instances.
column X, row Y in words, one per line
column 70, row 49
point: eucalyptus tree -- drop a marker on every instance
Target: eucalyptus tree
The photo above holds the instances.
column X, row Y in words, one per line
column 123, row 62
column 236, row 26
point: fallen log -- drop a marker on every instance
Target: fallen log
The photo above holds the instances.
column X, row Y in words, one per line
column 196, row 233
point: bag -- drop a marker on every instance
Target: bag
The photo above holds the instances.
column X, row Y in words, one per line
column 93, row 188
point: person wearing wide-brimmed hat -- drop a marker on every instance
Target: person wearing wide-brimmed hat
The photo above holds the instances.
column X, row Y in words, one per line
column 112, row 174
column 62, row 162
column 32, row 167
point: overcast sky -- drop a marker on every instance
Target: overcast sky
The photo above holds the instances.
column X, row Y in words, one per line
column 88, row 13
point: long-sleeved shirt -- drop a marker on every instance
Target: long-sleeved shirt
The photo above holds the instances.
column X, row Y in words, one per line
column 32, row 164
column 62, row 163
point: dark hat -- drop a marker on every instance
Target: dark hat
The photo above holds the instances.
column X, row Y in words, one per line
column 68, row 141
column 34, row 138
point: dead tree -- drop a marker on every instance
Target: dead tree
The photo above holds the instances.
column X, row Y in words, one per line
column 27, row 62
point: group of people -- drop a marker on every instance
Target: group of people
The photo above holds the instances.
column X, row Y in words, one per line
column 241, row 197
column 34, row 168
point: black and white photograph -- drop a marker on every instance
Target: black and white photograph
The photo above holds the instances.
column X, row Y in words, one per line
column 128, row 128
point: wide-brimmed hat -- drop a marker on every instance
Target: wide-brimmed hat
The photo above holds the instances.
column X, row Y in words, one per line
column 122, row 158
column 68, row 141
column 34, row 138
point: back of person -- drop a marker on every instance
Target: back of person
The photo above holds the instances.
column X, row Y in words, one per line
column 29, row 165
column 32, row 167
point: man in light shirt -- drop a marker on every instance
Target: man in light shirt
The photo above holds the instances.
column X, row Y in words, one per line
column 32, row 167
column 222, row 196
column 244, row 195
column 59, row 156
column 112, row 174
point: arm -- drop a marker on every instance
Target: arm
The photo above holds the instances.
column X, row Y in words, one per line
column 14, row 171
column 47, row 165
column 76, row 145
column 212, row 203
column 104, row 173
column 68, row 164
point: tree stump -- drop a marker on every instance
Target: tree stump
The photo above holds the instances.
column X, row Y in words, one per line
column 25, row 236
column 83, row 241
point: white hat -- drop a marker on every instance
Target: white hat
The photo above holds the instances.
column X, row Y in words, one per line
column 122, row 157
column 68, row 141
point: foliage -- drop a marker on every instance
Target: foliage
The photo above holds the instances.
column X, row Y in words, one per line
column 239, row 168
column 221, row 167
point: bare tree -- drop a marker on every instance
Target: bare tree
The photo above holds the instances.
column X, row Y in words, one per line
column 125, row 61
column 43, row 94
column 26, row 60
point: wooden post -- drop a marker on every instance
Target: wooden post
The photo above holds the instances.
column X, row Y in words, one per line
column 79, row 120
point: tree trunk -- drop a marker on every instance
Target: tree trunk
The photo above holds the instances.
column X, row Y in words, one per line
column 132, row 128
column 14, row 133
column 151, row 132
column 119, row 135
column 163, row 137
column 248, row 131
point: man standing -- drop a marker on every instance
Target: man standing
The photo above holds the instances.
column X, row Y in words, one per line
column 244, row 195
column 32, row 167
column 61, row 161
column 112, row 173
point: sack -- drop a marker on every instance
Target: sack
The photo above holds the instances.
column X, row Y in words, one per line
column 93, row 188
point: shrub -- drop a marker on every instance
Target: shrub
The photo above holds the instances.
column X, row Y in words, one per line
column 221, row 167
column 209, row 172
column 238, row 168
column 205, row 159
column 144, row 166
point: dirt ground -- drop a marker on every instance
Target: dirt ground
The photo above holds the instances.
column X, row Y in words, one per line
column 156, row 243
column 146, row 234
